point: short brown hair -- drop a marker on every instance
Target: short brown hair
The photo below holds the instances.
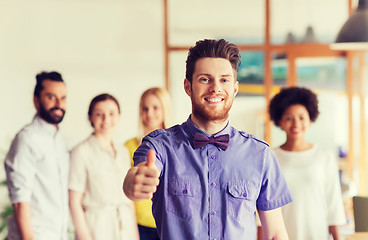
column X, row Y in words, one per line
column 213, row 49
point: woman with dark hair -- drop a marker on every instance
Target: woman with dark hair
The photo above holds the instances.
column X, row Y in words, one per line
column 98, row 206
column 310, row 170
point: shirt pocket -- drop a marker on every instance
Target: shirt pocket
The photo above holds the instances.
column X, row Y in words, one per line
column 184, row 197
column 241, row 200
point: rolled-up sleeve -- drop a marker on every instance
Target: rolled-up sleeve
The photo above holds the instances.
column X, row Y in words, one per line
column 78, row 171
column 140, row 155
column 20, row 168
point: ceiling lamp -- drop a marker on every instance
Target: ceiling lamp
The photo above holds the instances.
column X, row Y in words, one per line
column 354, row 33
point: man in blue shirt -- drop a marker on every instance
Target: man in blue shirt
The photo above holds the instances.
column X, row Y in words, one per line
column 206, row 178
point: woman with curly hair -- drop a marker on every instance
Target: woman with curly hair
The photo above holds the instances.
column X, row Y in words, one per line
column 310, row 170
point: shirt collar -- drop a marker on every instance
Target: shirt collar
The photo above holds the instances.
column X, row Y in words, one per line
column 191, row 128
column 93, row 139
column 48, row 128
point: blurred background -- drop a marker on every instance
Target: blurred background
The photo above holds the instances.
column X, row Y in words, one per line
column 123, row 47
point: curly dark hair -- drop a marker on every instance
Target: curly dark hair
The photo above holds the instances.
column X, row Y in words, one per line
column 291, row 96
column 213, row 49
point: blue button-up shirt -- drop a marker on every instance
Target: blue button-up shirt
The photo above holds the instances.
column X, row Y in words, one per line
column 208, row 193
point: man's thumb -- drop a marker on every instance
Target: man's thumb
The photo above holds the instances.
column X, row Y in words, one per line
column 151, row 158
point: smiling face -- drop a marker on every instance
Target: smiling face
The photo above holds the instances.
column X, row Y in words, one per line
column 212, row 90
column 51, row 103
column 152, row 113
column 295, row 121
column 104, row 117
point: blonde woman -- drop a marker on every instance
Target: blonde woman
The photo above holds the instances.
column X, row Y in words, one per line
column 98, row 206
column 154, row 113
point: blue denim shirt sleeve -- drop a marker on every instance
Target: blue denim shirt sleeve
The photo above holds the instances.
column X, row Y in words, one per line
column 149, row 142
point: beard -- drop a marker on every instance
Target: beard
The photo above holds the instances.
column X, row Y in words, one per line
column 205, row 114
column 49, row 117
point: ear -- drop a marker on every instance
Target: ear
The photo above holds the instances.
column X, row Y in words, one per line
column 236, row 89
column 36, row 103
column 188, row 87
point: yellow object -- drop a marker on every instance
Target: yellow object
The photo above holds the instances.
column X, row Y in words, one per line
column 357, row 236
column 143, row 209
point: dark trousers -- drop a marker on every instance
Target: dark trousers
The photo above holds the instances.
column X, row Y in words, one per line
column 147, row 233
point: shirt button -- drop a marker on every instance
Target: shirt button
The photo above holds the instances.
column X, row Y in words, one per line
column 213, row 213
column 244, row 194
column 213, row 184
column 213, row 157
column 185, row 191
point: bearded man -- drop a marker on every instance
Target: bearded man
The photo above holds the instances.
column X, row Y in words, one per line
column 207, row 179
column 37, row 167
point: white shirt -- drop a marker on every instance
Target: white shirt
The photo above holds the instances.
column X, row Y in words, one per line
column 312, row 177
column 99, row 175
column 37, row 167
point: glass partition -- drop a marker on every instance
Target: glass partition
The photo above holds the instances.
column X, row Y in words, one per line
column 326, row 73
column 238, row 21
column 300, row 21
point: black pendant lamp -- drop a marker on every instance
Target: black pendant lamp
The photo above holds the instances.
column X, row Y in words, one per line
column 354, row 33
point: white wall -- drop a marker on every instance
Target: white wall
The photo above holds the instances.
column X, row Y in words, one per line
column 113, row 46
column 98, row 46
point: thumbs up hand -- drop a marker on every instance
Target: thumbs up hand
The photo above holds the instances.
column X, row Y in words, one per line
column 151, row 158
column 142, row 180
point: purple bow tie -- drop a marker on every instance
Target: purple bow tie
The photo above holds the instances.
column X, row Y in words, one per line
column 201, row 140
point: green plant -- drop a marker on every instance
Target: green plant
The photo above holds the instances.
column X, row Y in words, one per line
column 6, row 212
